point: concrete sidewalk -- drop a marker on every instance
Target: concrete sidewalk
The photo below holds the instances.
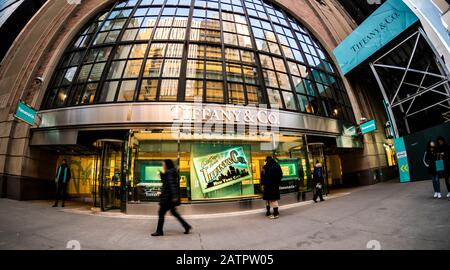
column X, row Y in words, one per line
column 397, row 216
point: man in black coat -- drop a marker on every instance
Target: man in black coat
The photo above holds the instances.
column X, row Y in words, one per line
column 170, row 197
column 62, row 179
column 271, row 176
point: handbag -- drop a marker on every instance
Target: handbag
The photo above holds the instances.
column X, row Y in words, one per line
column 439, row 165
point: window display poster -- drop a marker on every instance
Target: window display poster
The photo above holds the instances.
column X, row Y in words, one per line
column 217, row 171
column 150, row 180
column 289, row 166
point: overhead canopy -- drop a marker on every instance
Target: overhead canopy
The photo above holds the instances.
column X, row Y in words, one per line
column 386, row 23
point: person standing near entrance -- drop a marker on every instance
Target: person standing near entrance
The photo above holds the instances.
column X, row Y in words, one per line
column 318, row 181
column 270, row 179
column 170, row 197
column 444, row 152
column 62, row 179
column 429, row 159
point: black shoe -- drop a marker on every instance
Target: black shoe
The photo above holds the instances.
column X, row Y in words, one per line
column 268, row 214
column 187, row 229
column 315, row 201
column 55, row 205
column 157, row 234
column 62, row 205
column 322, row 200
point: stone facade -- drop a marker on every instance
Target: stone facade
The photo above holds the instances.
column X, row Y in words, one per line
column 37, row 51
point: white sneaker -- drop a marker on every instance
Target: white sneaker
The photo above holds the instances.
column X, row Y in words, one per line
column 448, row 195
column 435, row 195
column 439, row 196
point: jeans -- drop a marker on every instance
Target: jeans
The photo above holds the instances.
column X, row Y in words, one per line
column 436, row 183
column 162, row 212
column 447, row 182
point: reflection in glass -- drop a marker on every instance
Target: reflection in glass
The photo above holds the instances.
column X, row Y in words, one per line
column 169, row 90
column 127, row 89
column 148, row 90
column 214, row 92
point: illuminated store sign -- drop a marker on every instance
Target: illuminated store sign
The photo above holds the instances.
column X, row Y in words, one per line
column 220, row 170
column 227, row 114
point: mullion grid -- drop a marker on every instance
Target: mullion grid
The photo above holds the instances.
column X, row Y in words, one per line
column 348, row 113
column 168, row 42
column 261, row 9
column 141, row 77
column 117, row 44
column 83, row 51
column 291, row 82
column 273, row 16
column 308, row 68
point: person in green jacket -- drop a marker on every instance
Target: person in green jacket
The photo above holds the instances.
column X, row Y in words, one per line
column 62, row 179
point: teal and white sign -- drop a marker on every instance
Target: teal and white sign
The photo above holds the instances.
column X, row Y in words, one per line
column 219, row 170
column 402, row 160
column 25, row 113
column 386, row 23
column 368, row 126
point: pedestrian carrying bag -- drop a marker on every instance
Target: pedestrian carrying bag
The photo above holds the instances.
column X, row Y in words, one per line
column 439, row 165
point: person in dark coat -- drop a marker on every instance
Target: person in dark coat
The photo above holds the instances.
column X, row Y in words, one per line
column 62, row 179
column 318, row 181
column 270, row 179
column 443, row 149
column 170, row 197
column 429, row 159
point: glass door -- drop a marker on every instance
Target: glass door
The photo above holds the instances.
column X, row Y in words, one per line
column 112, row 186
column 316, row 152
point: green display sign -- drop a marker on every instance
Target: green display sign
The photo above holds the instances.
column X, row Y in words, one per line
column 150, row 179
column 289, row 166
column 152, row 173
column 219, row 170
column 25, row 113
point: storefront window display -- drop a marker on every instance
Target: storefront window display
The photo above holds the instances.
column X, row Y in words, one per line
column 213, row 169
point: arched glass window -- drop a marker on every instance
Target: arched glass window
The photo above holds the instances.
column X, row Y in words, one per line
column 219, row 51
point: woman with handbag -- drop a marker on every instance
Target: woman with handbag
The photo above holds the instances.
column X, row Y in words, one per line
column 170, row 197
column 429, row 159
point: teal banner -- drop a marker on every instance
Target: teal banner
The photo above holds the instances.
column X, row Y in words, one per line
column 386, row 23
column 402, row 160
column 368, row 126
column 25, row 113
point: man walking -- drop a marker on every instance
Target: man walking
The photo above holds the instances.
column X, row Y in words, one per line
column 271, row 178
column 62, row 178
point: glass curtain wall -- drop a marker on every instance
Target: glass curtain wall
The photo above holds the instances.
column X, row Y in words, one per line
column 218, row 51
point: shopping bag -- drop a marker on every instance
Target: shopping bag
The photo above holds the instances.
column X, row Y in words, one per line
column 439, row 165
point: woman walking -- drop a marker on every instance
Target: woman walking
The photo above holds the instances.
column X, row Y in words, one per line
column 170, row 197
column 429, row 159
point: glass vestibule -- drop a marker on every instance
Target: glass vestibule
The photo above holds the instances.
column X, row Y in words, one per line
column 213, row 168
